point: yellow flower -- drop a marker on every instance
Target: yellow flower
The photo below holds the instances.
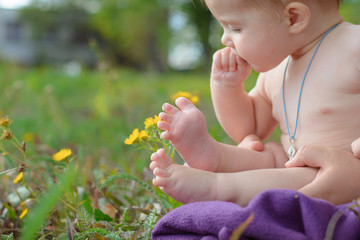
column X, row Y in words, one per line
column 19, row 177
column 136, row 136
column 22, row 215
column 133, row 137
column 5, row 122
column 143, row 136
column 150, row 122
column 193, row 98
column 62, row 154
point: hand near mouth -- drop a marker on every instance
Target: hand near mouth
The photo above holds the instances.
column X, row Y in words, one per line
column 228, row 68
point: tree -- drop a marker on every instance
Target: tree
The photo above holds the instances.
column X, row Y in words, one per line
column 130, row 32
column 135, row 32
column 201, row 18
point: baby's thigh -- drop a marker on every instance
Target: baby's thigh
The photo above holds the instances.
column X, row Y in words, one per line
column 277, row 151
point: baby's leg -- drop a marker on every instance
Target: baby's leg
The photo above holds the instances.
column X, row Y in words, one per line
column 186, row 128
column 184, row 184
column 187, row 184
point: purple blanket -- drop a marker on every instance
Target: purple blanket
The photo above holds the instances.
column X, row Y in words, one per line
column 278, row 214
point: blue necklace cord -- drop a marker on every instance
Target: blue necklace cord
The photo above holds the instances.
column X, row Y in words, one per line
column 292, row 137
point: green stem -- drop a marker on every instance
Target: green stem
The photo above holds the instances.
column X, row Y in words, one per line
column 18, row 146
column 166, row 145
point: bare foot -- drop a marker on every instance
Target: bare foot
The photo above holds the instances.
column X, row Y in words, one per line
column 186, row 129
column 178, row 181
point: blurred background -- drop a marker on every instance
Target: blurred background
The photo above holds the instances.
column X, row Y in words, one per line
column 84, row 73
column 157, row 35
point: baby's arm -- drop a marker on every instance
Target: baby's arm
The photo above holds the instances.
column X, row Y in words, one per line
column 239, row 113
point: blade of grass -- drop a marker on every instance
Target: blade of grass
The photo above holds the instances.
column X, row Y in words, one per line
column 241, row 228
column 144, row 185
column 7, row 171
column 332, row 224
column 47, row 202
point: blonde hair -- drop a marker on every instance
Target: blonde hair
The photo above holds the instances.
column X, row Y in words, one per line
column 324, row 4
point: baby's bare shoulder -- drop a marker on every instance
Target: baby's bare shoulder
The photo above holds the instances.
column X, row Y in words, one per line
column 348, row 46
column 349, row 38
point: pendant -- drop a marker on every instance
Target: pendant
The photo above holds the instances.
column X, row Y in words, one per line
column 292, row 149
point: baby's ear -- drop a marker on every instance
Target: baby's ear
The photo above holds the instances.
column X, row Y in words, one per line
column 297, row 16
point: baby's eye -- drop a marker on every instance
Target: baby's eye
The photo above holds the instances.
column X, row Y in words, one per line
column 235, row 30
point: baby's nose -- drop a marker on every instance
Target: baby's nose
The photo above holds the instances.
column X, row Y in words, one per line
column 226, row 40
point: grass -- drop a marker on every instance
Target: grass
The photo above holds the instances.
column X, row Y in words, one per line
column 110, row 194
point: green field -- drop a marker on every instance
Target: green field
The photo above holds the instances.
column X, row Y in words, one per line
column 91, row 114
column 94, row 112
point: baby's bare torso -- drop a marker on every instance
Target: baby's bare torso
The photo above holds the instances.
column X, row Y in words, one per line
column 329, row 112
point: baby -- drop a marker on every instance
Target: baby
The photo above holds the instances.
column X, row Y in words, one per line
column 309, row 85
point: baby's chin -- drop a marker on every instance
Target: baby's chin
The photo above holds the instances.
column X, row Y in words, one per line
column 261, row 68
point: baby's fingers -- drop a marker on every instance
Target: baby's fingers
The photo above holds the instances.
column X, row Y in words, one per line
column 225, row 59
column 355, row 146
column 221, row 59
column 233, row 65
column 243, row 66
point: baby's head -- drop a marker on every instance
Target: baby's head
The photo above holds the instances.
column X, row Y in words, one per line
column 277, row 5
column 264, row 32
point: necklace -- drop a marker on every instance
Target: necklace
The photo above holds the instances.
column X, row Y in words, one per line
column 292, row 149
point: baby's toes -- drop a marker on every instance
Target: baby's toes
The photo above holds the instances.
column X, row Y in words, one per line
column 164, row 125
column 153, row 165
column 165, row 117
column 184, row 103
column 160, row 172
column 161, row 158
column 161, row 182
column 170, row 109
column 165, row 135
column 165, row 159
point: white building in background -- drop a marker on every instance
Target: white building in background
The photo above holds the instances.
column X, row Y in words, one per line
column 60, row 45
column 16, row 43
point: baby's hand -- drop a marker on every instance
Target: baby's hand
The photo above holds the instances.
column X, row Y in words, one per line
column 228, row 69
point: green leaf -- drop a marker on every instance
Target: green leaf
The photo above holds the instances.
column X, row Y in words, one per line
column 100, row 216
column 86, row 203
column 11, row 211
column 36, row 218
column 7, row 237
